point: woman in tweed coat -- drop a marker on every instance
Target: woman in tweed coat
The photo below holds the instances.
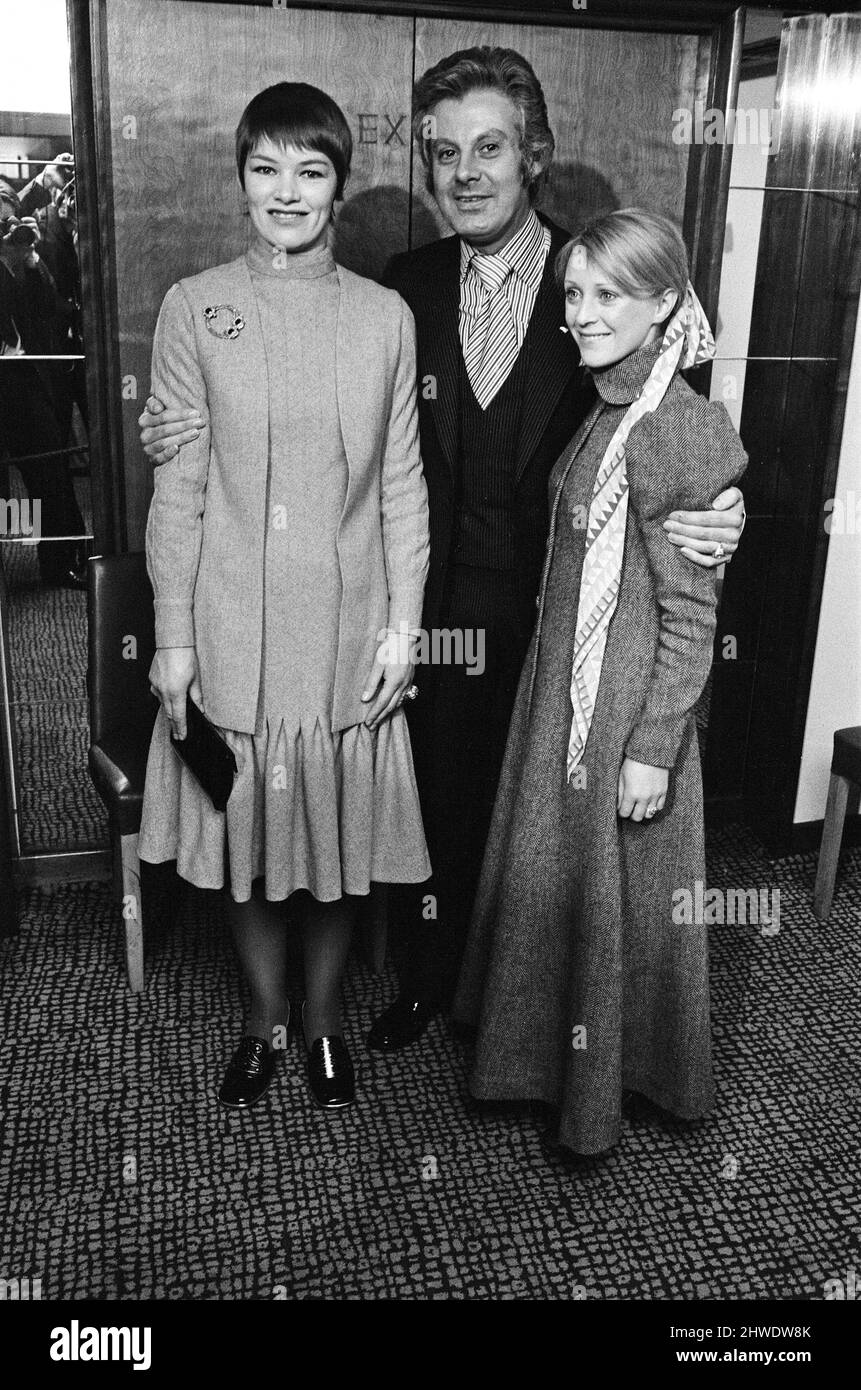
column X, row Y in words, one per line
column 581, row 976
column 282, row 543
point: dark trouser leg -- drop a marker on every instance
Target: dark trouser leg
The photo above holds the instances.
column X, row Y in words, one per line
column 464, row 736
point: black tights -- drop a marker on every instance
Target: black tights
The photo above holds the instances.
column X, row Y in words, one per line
column 260, row 929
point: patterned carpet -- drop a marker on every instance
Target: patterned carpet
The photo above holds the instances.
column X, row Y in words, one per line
column 120, row 1177
column 59, row 807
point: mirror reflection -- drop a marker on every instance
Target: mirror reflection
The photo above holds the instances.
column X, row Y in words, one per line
column 746, row 199
column 45, row 500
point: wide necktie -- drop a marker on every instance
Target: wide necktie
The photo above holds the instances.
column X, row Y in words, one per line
column 492, row 342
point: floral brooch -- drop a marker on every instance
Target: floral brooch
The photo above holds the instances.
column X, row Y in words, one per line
column 223, row 321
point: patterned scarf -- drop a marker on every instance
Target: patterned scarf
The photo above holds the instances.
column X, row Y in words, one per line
column 687, row 342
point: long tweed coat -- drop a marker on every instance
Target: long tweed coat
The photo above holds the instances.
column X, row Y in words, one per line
column 579, row 981
column 208, row 517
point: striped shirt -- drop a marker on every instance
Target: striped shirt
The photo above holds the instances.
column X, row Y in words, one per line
column 526, row 253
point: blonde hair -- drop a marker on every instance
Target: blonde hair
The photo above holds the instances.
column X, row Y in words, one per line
column 640, row 251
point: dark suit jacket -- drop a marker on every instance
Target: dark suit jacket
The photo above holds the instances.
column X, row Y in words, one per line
column 557, row 396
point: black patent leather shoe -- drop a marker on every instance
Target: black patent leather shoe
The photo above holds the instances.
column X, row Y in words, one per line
column 401, row 1023
column 330, row 1071
column 249, row 1073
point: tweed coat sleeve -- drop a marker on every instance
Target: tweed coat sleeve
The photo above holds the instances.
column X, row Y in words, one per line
column 403, row 492
column 678, row 457
column 175, row 522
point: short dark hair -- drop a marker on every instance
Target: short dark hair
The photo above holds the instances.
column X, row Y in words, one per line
column 294, row 113
column 490, row 69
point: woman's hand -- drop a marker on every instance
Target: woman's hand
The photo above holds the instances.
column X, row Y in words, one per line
column 389, row 681
column 163, row 432
column 642, row 790
column 173, row 676
column 697, row 533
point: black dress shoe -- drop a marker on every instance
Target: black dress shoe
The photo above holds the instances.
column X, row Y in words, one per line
column 249, row 1073
column 401, row 1023
column 330, row 1071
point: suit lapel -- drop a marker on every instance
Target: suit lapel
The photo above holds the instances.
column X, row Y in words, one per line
column 440, row 356
column 551, row 365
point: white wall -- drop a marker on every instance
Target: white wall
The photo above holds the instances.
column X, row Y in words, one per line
column 34, row 56
column 748, row 173
column 835, row 691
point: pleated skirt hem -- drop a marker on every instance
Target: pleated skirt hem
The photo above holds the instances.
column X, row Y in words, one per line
column 330, row 813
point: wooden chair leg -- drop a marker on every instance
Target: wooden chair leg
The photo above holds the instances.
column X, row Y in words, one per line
column 829, row 850
column 132, row 911
column 117, row 862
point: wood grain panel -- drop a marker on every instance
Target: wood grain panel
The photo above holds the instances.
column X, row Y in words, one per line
column 365, row 62
column 837, row 163
column 610, row 97
column 179, row 77
column 800, row 75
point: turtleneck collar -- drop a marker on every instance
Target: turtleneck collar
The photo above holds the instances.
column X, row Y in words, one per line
column 266, row 259
column 621, row 382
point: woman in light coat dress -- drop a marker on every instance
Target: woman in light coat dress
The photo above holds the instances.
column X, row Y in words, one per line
column 284, row 543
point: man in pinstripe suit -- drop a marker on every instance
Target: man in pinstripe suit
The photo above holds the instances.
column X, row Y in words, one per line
column 500, row 394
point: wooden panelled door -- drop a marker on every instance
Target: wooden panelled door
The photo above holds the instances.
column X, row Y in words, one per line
column 610, row 99
column 179, row 75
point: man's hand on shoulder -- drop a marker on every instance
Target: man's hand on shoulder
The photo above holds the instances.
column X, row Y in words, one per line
column 709, row 538
column 163, row 432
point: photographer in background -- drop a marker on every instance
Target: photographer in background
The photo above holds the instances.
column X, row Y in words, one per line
column 35, row 322
column 33, row 315
column 40, row 191
column 58, row 249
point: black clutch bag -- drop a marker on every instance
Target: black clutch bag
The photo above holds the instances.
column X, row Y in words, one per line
column 206, row 755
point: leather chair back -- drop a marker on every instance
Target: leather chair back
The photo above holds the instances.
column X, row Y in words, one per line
column 121, row 644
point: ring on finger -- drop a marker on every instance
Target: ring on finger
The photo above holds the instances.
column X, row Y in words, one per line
column 651, row 811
